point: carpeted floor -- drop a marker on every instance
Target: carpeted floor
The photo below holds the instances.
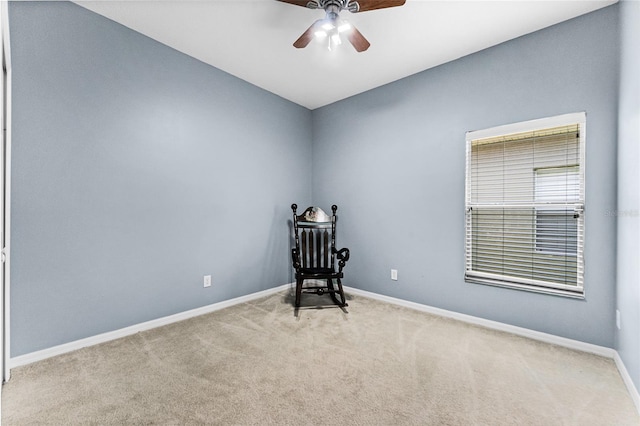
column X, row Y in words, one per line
column 380, row 364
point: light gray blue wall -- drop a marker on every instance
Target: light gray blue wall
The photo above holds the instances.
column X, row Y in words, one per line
column 393, row 159
column 628, row 271
column 136, row 171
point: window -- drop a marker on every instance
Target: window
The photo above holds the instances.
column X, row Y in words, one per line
column 525, row 205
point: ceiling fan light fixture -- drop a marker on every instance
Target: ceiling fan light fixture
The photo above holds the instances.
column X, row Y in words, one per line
column 335, row 39
column 320, row 34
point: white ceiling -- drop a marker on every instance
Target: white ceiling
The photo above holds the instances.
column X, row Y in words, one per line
column 252, row 39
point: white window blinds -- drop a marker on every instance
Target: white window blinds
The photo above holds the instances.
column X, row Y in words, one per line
column 525, row 205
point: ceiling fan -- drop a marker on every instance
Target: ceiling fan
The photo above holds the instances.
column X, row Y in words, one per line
column 332, row 26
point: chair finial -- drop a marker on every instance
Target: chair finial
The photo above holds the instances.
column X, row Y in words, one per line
column 294, row 206
column 334, row 208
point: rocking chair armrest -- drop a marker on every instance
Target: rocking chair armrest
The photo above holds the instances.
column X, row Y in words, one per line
column 343, row 257
column 295, row 257
column 342, row 254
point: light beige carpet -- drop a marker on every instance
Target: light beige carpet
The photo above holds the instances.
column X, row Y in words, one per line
column 380, row 364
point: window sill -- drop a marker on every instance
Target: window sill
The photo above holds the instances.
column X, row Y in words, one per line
column 577, row 294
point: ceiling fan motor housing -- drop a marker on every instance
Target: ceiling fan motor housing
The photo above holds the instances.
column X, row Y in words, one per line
column 334, row 6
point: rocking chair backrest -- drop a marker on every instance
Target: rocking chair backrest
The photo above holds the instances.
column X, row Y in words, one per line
column 315, row 237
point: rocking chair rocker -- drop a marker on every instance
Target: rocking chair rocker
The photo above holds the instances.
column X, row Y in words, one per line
column 315, row 254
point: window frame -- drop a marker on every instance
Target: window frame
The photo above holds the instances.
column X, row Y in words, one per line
column 478, row 277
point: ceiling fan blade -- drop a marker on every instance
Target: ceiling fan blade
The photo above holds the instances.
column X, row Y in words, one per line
column 302, row 3
column 307, row 36
column 357, row 40
column 365, row 5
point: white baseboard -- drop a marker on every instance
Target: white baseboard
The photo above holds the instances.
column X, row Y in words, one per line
column 635, row 396
column 520, row 331
column 127, row 331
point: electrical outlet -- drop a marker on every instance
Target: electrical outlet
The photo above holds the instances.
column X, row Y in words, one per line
column 394, row 274
column 207, row 280
column 618, row 319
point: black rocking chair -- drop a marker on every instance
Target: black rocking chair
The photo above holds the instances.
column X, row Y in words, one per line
column 315, row 254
